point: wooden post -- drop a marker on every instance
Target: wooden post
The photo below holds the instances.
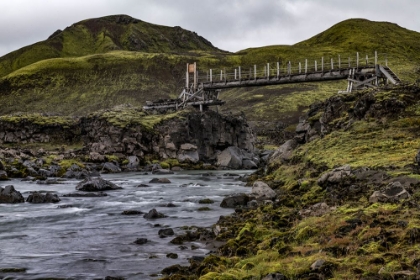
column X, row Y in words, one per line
column 289, row 70
column 300, row 67
column 187, row 77
column 376, row 57
column 322, row 64
column 278, row 70
column 268, row 71
column 240, row 73
column 316, row 66
column 357, row 60
column 235, row 73
column 211, row 75
column 332, row 64
column 221, row 75
column 306, row 66
column 255, row 72
column 195, row 76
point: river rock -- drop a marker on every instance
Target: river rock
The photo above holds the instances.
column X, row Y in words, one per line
column 261, row 191
column 37, row 197
column 133, row 163
column 3, row 175
column 153, row 214
column 159, row 181
column 231, row 157
column 96, row 184
column 166, row 232
column 109, row 167
column 393, row 192
column 8, row 194
column 141, row 241
column 131, row 212
column 235, row 200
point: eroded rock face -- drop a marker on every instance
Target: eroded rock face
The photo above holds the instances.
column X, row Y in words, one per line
column 8, row 194
column 284, row 152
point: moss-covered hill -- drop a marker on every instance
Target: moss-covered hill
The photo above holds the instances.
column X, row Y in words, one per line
column 100, row 63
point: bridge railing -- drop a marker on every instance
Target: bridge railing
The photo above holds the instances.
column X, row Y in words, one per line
column 287, row 68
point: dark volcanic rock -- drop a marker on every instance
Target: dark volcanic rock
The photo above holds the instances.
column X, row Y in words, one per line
column 8, row 194
column 235, row 200
column 160, row 180
column 166, row 232
column 141, row 241
column 153, row 214
column 37, row 197
column 3, row 175
column 110, row 167
column 131, row 212
column 96, row 184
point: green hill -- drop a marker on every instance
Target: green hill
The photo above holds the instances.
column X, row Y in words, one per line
column 100, row 63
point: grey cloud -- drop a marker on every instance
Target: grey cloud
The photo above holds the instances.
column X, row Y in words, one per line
column 229, row 24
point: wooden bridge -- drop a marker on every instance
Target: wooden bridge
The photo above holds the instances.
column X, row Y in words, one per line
column 202, row 88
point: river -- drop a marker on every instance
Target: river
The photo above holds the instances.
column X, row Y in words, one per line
column 89, row 238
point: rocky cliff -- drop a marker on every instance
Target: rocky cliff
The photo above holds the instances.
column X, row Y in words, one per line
column 129, row 135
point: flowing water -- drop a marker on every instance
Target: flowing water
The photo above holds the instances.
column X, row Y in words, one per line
column 90, row 239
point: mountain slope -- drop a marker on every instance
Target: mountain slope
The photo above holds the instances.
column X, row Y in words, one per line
column 101, row 35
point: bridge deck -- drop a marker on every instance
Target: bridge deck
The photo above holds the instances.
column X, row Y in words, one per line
column 338, row 74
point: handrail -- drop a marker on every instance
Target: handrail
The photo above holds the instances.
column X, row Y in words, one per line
column 284, row 68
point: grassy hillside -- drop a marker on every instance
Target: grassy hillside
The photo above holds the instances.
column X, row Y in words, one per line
column 100, row 63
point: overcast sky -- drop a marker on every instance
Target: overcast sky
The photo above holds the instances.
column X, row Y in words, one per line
column 230, row 25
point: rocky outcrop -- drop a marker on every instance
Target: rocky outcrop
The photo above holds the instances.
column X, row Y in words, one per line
column 8, row 194
column 96, row 184
column 394, row 192
column 284, row 152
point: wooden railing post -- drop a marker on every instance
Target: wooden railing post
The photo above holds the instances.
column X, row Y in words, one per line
column 195, row 75
column 300, row 67
column 316, row 66
column 278, row 70
column 332, row 64
column 306, row 66
column 255, row 72
column 187, row 77
column 240, row 73
column 211, row 75
column 322, row 64
column 289, row 70
column 357, row 60
column 268, row 71
column 235, row 74
column 221, row 75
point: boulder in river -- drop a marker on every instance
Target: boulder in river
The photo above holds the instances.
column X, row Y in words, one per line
column 8, row 194
column 160, row 180
column 165, row 232
column 96, row 184
column 153, row 214
column 37, row 197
